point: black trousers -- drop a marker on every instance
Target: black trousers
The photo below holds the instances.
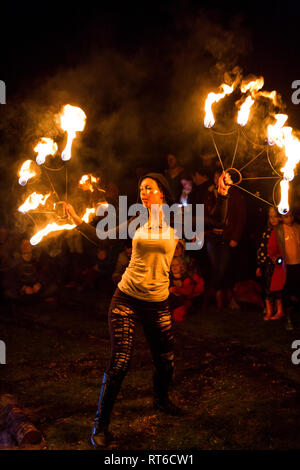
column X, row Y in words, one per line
column 124, row 314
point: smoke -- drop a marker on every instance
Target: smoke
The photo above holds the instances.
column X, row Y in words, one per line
column 141, row 103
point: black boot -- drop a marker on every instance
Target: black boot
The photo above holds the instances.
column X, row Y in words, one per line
column 162, row 402
column 108, row 393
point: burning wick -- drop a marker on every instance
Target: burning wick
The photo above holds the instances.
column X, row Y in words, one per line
column 72, row 120
column 45, row 147
column 26, row 172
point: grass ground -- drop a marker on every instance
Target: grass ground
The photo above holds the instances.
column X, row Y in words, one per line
column 234, row 378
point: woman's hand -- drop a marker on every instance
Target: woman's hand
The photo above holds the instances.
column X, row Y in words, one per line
column 71, row 212
column 224, row 183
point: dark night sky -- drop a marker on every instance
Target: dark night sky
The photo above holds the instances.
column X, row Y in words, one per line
column 147, row 60
column 36, row 38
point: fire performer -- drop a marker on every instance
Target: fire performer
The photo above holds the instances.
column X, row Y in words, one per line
column 142, row 295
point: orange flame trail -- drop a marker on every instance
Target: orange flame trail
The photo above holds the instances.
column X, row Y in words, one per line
column 212, row 98
column 282, row 136
column 33, row 201
column 72, row 120
column 252, row 87
column 53, row 227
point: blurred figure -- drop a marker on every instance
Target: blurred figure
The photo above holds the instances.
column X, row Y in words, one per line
column 186, row 182
column 99, row 275
column 222, row 245
column 173, row 175
column 272, row 274
column 122, row 262
column 26, row 280
column 201, row 183
column 183, row 288
column 285, row 242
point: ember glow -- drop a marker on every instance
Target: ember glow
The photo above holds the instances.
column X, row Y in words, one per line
column 26, row 172
column 33, row 202
column 72, row 120
column 44, row 148
column 212, row 98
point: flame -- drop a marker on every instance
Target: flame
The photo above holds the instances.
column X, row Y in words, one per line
column 72, row 120
column 44, row 147
column 283, row 206
column 26, row 172
column 87, row 214
column 275, row 133
column 283, row 137
column 52, row 227
column 33, row 201
column 89, row 182
column 271, row 95
column 212, row 98
column 243, row 114
column 251, row 87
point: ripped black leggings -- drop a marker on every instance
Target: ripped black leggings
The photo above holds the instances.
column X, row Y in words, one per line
column 155, row 317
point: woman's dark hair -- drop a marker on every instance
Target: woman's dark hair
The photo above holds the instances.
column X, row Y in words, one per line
column 162, row 184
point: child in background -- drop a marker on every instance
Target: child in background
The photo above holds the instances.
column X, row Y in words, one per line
column 183, row 288
column 272, row 273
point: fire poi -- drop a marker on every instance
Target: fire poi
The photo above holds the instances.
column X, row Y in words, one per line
column 277, row 134
column 72, row 120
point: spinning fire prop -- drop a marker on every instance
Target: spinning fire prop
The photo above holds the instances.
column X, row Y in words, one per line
column 72, row 120
column 277, row 134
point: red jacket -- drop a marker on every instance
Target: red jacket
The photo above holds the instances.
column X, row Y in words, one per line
column 278, row 277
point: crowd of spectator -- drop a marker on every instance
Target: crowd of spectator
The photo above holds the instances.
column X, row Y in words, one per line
column 254, row 258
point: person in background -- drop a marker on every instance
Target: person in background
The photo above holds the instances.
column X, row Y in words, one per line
column 284, row 242
column 272, row 274
column 26, row 280
column 122, row 262
column 201, row 183
column 186, row 182
column 183, row 288
column 222, row 245
column 173, row 175
column 99, row 275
